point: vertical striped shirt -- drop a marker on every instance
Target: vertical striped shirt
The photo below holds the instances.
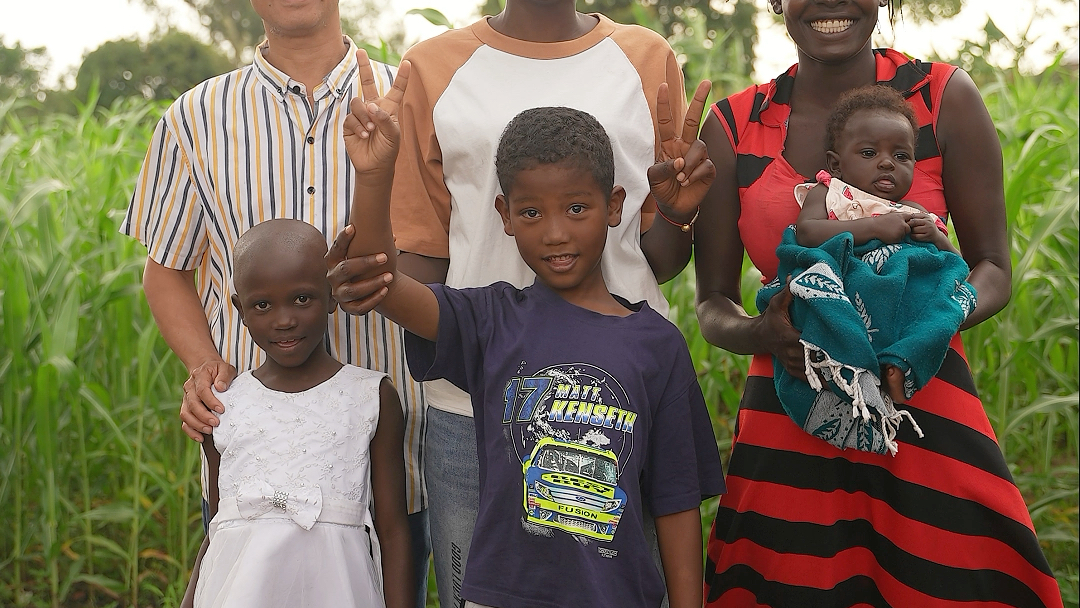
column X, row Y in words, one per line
column 246, row 147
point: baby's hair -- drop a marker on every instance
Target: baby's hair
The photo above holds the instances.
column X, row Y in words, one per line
column 555, row 135
column 875, row 97
column 277, row 235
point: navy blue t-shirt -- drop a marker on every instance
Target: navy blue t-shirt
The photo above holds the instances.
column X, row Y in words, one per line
column 580, row 419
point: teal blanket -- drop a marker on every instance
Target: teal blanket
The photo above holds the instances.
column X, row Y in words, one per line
column 859, row 308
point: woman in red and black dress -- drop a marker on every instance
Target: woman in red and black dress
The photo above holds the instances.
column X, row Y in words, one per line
column 803, row 523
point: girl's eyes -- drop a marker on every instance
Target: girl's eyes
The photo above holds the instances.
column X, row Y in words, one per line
column 868, row 153
column 531, row 213
column 577, row 208
column 902, row 156
column 303, row 299
column 262, row 306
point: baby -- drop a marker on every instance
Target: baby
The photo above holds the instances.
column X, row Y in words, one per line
column 881, row 290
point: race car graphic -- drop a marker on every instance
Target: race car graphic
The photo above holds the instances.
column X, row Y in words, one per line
column 573, row 487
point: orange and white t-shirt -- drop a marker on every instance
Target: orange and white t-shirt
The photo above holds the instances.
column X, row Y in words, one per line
column 465, row 86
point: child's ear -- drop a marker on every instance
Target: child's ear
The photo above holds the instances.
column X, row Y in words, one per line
column 235, row 299
column 832, row 163
column 503, row 208
column 614, row 206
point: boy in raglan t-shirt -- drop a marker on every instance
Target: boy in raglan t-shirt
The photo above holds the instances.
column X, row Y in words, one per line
column 585, row 403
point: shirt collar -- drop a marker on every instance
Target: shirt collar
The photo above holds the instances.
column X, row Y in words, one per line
column 334, row 83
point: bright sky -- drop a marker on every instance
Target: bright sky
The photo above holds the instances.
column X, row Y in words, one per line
column 71, row 28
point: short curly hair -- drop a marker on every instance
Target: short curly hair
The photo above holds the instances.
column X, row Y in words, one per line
column 555, row 135
column 874, row 97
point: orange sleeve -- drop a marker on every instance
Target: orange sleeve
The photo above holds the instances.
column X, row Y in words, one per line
column 420, row 201
column 655, row 62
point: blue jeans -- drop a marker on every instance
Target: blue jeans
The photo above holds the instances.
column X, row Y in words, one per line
column 453, row 484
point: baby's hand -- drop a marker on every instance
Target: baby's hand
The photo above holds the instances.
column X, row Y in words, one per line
column 891, row 227
column 683, row 173
column 924, row 228
column 371, row 128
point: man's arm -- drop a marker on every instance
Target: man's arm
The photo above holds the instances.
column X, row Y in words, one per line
column 679, row 538
column 176, row 307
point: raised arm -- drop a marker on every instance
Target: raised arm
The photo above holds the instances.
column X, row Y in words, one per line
column 974, row 192
column 718, row 256
column 371, row 139
column 667, row 245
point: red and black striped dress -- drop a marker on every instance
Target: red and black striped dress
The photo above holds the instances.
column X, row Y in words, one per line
column 805, row 524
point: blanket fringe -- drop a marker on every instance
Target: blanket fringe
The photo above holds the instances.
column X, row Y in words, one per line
column 830, row 368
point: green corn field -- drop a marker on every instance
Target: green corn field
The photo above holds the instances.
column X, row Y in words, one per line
column 99, row 496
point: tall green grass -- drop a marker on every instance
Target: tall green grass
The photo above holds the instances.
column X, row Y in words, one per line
column 98, row 490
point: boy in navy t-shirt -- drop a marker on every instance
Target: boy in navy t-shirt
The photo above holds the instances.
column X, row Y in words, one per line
column 587, row 406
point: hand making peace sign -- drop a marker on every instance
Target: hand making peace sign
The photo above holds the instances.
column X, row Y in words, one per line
column 371, row 128
column 683, row 172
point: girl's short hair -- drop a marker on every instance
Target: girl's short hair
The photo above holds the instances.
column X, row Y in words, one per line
column 875, row 97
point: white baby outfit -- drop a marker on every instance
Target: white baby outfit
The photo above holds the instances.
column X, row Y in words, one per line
column 293, row 526
column 846, row 202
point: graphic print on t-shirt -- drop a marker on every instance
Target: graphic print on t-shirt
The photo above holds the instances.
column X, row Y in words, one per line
column 572, row 431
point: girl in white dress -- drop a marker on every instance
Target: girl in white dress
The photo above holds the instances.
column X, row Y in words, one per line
column 304, row 446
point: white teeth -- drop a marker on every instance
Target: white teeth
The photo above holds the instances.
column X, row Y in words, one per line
column 831, row 26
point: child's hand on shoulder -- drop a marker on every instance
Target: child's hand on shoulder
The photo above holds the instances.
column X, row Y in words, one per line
column 683, row 173
column 371, row 127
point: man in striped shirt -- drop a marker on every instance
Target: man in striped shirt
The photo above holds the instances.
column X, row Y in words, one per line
column 261, row 142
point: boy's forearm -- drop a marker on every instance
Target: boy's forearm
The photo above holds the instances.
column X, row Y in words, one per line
column 408, row 303
column 679, row 538
column 370, row 217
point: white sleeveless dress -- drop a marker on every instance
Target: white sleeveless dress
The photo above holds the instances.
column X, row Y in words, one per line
column 293, row 526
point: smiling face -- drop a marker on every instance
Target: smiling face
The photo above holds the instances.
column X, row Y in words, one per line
column 829, row 32
column 284, row 300
column 875, row 153
column 559, row 217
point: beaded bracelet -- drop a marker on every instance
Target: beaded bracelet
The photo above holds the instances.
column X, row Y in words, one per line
column 684, row 227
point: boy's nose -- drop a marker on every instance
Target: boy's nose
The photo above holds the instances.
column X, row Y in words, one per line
column 555, row 232
column 885, row 161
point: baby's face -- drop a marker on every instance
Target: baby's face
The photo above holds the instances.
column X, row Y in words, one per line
column 876, row 153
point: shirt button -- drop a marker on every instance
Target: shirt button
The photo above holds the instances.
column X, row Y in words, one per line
column 311, row 189
column 311, row 140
